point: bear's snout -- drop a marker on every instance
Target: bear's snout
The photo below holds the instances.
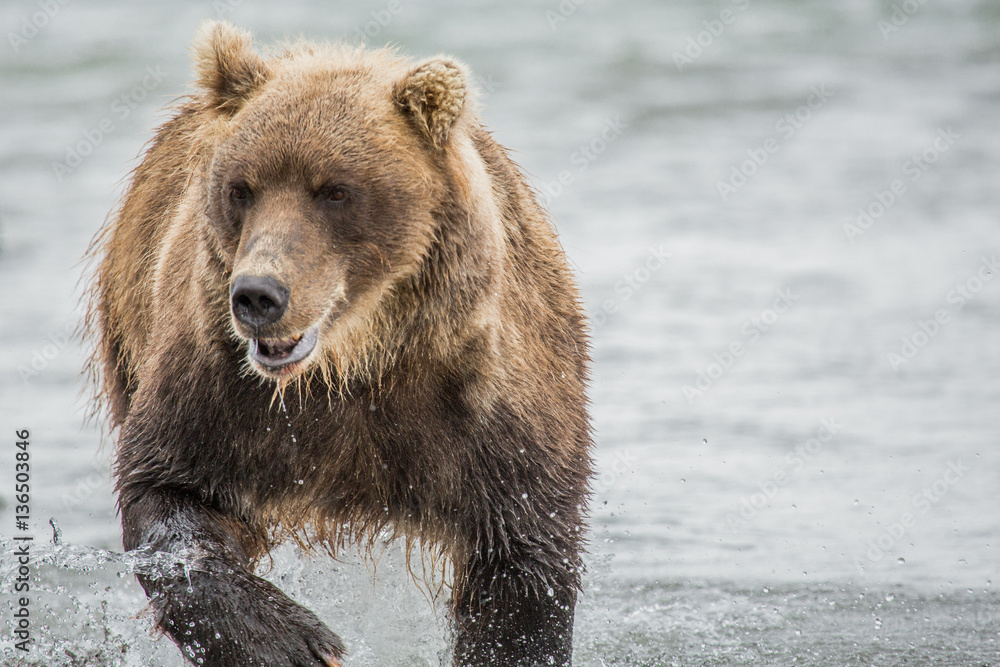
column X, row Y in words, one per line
column 257, row 301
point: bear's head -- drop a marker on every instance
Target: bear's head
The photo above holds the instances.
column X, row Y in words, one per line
column 323, row 176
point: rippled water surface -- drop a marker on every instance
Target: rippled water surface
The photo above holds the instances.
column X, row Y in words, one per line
column 784, row 217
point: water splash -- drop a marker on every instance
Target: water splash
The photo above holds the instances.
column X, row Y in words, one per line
column 83, row 558
column 86, row 608
column 89, row 611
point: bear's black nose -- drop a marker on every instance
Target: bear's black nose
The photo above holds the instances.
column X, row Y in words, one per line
column 258, row 300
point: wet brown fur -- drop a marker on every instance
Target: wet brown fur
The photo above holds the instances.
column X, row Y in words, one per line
column 446, row 400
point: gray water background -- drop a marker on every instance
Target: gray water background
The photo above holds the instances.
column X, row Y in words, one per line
column 725, row 530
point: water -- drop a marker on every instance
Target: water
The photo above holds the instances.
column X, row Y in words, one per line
column 809, row 500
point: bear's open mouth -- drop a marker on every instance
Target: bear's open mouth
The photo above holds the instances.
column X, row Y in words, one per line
column 275, row 354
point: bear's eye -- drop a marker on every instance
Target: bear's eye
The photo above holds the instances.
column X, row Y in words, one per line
column 240, row 194
column 334, row 193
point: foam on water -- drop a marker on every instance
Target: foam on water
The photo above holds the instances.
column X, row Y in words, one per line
column 92, row 613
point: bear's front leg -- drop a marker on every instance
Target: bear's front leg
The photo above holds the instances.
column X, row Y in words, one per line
column 515, row 611
column 219, row 613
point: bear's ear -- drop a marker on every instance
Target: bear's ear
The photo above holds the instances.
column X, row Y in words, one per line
column 229, row 72
column 434, row 95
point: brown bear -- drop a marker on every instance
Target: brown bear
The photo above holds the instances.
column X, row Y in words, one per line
column 329, row 307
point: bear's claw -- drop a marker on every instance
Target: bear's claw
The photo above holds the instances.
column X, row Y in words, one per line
column 228, row 617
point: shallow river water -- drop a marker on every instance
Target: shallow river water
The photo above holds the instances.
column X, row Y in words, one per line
column 784, row 218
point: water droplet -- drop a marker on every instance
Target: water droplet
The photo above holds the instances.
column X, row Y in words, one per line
column 550, row 592
column 901, row 560
column 704, row 441
column 302, row 481
column 855, row 502
column 371, row 408
column 524, row 495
